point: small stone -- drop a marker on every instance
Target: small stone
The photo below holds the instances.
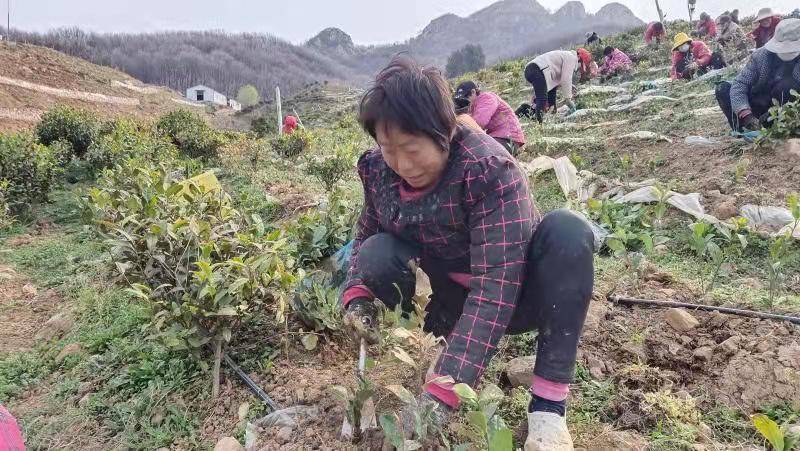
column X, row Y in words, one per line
column 313, row 394
column 731, row 345
column 70, row 349
column 698, row 447
column 228, row 444
column 763, row 346
column 56, row 326
column 704, row 353
column 163, row 449
column 680, row 320
column 520, row 371
column 596, row 372
column 661, row 249
column 714, row 193
column 158, row 418
column 685, row 339
column 29, row 290
column 85, row 387
column 793, row 430
column 792, row 148
column 284, row 435
column 726, row 209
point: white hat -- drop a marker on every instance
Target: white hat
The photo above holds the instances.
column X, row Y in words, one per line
column 787, row 37
column 764, row 13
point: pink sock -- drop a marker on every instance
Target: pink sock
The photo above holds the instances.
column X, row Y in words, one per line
column 549, row 390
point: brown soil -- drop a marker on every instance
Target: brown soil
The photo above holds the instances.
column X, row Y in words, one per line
column 23, row 311
column 49, row 68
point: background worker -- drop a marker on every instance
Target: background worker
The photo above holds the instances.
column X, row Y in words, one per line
column 692, row 57
column 493, row 115
column 771, row 74
column 548, row 72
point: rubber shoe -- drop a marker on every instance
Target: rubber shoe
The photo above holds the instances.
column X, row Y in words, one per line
column 547, row 432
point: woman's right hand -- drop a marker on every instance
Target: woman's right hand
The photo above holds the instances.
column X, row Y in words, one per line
column 361, row 320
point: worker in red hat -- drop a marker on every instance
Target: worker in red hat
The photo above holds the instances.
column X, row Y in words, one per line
column 289, row 124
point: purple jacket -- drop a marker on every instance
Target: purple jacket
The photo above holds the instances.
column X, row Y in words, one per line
column 478, row 220
column 495, row 116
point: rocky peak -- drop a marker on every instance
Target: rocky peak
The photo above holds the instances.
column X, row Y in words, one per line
column 332, row 40
column 619, row 14
column 571, row 10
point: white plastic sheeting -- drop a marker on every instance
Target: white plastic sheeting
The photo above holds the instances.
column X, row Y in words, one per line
column 771, row 220
column 699, row 141
column 642, row 100
column 644, row 135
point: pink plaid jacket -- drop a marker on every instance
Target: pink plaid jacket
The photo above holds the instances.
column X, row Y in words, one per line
column 480, row 217
column 495, row 116
column 618, row 60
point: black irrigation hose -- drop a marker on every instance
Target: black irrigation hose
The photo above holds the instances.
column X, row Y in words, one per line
column 708, row 308
column 251, row 384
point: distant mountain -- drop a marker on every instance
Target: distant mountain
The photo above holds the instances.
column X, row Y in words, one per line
column 223, row 61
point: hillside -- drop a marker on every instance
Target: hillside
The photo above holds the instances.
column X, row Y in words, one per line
column 115, row 318
column 225, row 62
column 33, row 79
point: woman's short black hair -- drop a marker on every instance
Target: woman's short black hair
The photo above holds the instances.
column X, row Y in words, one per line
column 608, row 50
column 658, row 26
column 414, row 98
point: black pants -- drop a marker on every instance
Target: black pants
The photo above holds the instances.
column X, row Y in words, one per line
column 554, row 297
column 535, row 76
column 760, row 102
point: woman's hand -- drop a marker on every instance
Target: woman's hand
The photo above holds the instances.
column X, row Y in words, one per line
column 361, row 320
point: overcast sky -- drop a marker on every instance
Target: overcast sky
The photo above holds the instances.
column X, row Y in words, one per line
column 367, row 21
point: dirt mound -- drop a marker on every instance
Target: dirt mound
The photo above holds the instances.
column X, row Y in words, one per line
column 741, row 363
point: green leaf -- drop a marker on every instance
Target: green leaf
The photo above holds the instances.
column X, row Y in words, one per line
column 478, row 421
column 770, row 430
column 502, row 440
column 490, row 394
column 309, row 341
column 388, row 423
column 402, row 394
column 465, row 393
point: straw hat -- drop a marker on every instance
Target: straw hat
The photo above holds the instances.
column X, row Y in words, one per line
column 764, row 13
column 680, row 39
column 787, row 37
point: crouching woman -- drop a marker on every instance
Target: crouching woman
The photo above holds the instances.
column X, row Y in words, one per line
column 453, row 201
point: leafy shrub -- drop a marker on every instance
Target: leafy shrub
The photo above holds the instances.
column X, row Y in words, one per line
column 5, row 211
column 316, row 303
column 321, row 233
column 191, row 134
column 330, row 169
column 292, row 144
column 27, row 169
column 128, row 139
column 79, row 128
column 785, row 120
column 200, row 264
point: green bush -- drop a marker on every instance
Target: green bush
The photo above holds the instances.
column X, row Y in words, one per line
column 5, row 211
column 199, row 263
column 330, row 169
column 191, row 134
column 320, row 233
column 293, row 144
column 27, row 169
column 128, row 139
column 79, row 128
column 785, row 120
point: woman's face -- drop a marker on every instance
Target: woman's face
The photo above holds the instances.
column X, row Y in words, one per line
column 765, row 23
column 415, row 158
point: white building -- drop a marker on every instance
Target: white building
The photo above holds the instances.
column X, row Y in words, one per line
column 205, row 94
column 235, row 106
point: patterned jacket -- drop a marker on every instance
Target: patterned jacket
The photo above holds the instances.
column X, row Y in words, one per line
column 650, row 33
column 616, row 61
column 479, row 219
column 757, row 76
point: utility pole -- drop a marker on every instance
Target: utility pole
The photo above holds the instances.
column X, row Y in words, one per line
column 8, row 21
column 660, row 12
column 692, row 5
column 280, row 113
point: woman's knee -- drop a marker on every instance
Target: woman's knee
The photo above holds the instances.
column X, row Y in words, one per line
column 723, row 92
column 384, row 257
column 567, row 231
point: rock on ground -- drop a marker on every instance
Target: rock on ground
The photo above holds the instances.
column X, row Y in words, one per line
column 726, row 209
column 228, row 444
column 520, row 371
column 627, row 440
column 56, row 326
column 792, row 148
column 680, row 320
column 70, row 349
column 284, row 435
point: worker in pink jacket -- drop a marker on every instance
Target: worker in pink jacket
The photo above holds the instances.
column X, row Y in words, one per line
column 654, row 33
column 10, row 435
column 692, row 57
column 493, row 115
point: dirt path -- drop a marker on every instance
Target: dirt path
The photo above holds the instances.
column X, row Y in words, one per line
column 70, row 94
column 23, row 311
column 22, row 114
